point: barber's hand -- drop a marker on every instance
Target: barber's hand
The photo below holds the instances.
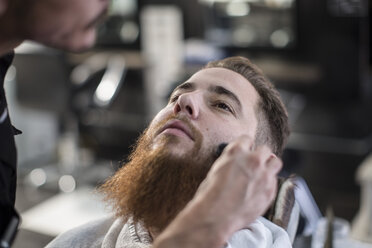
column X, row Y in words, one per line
column 240, row 185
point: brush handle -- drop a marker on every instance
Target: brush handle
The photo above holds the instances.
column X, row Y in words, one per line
column 220, row 149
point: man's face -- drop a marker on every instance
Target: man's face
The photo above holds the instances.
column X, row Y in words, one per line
column 174, row 155
column 67, row 24
column 217, row 102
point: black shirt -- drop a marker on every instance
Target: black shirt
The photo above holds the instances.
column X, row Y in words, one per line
column 8, row 156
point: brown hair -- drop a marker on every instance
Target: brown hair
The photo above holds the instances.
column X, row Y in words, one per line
column 272, row 116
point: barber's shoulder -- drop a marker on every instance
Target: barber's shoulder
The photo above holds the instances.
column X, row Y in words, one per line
column 89, row 235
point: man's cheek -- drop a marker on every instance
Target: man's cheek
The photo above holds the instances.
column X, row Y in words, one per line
column 152, row 128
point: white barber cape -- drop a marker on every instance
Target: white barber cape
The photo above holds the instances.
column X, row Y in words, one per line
column 114, row 233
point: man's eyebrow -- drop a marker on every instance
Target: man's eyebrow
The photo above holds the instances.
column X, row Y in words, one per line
column 185, row 86
column 223, row 91
column 214, row 89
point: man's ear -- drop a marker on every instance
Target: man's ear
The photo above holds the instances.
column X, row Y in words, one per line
column 3, row 6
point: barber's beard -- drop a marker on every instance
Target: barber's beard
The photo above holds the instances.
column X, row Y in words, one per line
column 155, row 185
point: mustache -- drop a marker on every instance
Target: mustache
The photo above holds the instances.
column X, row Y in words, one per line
column 194, row 131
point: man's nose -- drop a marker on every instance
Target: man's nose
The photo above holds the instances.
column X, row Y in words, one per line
column 188, row 104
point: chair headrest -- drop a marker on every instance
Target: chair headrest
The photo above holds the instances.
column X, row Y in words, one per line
column 282, row 210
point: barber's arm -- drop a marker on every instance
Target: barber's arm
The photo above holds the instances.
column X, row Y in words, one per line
column 239, row 187
column 9, row 218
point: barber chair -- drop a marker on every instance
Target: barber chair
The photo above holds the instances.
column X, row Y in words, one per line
column 294, row 208
column 285, row 211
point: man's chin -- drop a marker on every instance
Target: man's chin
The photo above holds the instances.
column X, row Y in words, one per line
column 161, row 177
column 173, row 145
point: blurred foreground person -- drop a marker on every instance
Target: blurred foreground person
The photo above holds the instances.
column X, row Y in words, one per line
column 66, row 24
column 176, row 191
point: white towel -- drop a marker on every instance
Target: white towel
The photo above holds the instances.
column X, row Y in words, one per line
column 260, row 234
column 114, row 233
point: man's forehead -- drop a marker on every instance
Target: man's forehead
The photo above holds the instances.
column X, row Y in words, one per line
column 222, row 77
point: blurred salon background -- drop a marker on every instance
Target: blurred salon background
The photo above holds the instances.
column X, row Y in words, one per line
column 80, row 113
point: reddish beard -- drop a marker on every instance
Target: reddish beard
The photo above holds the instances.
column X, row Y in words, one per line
column 155, row 185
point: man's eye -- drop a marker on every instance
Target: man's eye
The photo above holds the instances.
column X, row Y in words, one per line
column 224, row 106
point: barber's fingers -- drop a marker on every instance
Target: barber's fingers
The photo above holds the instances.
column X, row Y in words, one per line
column 274, row 164
column 271, row 189
column 268, row 159
column 263, row 153
column 243, row 144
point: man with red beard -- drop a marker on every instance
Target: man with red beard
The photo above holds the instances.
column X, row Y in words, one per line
column 176, row 191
